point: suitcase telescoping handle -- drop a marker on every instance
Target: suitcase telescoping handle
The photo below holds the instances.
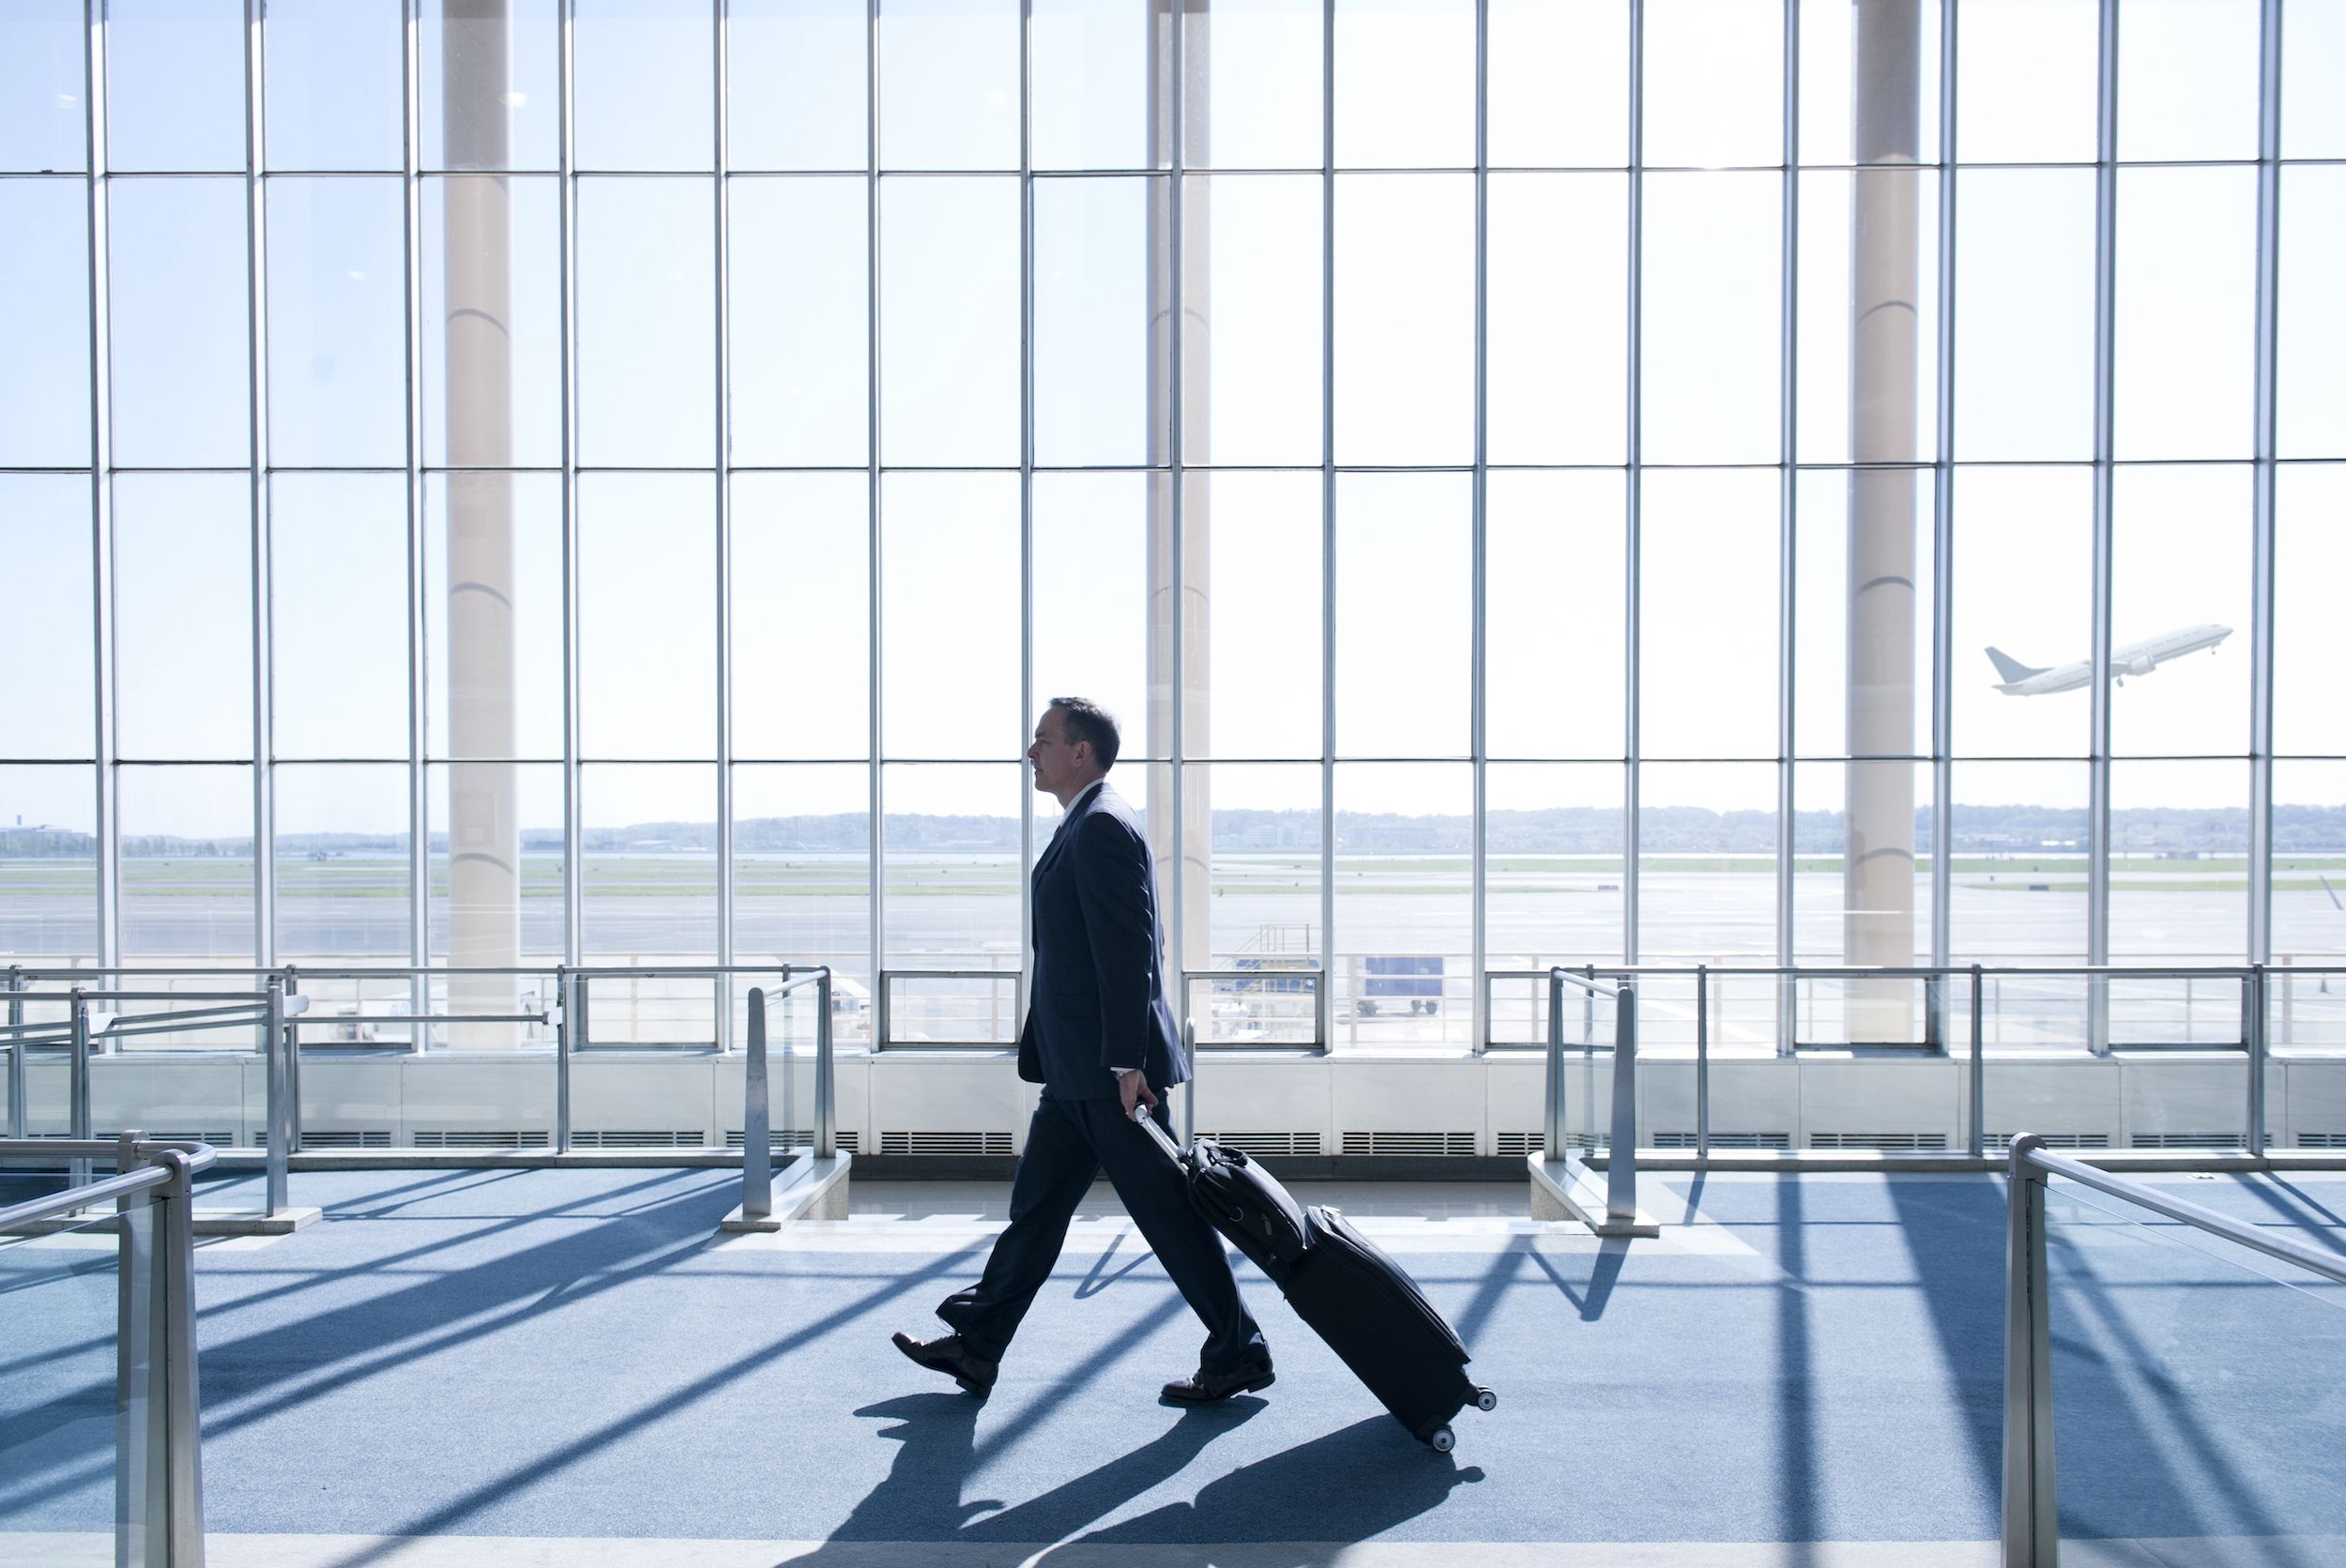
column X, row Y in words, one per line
column 1165, row 1140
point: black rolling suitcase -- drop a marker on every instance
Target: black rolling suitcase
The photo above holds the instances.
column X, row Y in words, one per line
column 1360, row 1302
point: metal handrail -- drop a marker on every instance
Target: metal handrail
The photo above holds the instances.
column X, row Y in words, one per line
column 757, row 1138
column 1620, row 1164
column 2032, row 1518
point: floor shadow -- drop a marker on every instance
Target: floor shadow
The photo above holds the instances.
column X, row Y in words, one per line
column 1099, row 1279
column 1589, row 1300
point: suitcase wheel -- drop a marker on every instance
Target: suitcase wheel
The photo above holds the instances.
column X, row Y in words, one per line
column 1485, row 1400
column 1442, row 1442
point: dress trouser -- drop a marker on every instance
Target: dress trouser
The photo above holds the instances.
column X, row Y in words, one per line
column 1068, row 1143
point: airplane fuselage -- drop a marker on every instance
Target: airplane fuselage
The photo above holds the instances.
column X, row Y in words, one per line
column 2136, row 659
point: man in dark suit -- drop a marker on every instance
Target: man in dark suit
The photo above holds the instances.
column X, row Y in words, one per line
column 1099, row 1038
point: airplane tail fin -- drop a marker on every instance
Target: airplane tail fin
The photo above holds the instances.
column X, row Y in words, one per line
column 2011, row 669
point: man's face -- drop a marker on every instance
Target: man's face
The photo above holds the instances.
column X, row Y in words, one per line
column 1056, row 761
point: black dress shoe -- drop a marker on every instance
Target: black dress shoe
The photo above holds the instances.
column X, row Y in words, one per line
column 1212, row 1388
column 945, row 1354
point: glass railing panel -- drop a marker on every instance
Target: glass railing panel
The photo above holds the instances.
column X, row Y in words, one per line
column 1861, row 1011
column 969, row 1007
column 2196, row 1384
column 2307, row 1009
column 1275, row 1002
column 58, row 1371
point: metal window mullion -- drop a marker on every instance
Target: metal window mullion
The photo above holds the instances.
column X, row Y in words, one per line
column 723, row 587
column 1788, row 543
column 2105, row 333
column 418, row 825
column 107, row 803
column 1633, row 521
column 573, row 833
column 1027, row 715
column 875, row 885
column 1176, row 524
column 256, row 242
column 1479, row 567
column 2261, row 553
column 1327, row 524
column 1942, row 530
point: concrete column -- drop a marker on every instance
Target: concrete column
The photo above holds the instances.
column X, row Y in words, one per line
column 484, row 835
column 1878, row 870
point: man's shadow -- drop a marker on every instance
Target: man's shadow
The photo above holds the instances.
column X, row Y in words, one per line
column 1346, row 1486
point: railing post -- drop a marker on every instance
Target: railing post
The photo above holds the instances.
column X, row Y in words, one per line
column 293, row 1061
column 1979, row 1075
column 77, row 1086
column 881, row 1025
column 826, row 1069
column 277, row 1042
column 1588, row 1009
column 757, row 1138
column 1702, row 1061
column 17, row 1083
column 1621, row 1165
column 1934, row 1015
column 2032, row 1525
column 1552, row 1139
column 568, row 988
column 2254, row 1022
column 1189, row 1090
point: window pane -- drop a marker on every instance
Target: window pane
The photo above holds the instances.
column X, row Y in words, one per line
column 183, row 615
column 175, row 84
column 1405, row 319
column 2308, row 836
column 1706, row 862
column 2179, row 564
column 1405, row 83
column 648, row 615
column 342, row 882
column 1707, row 640
column 2309, row 635
column 1867, row 354
column 1251, row 304
column 1558, row 318
column 1560, row 82
column 1089, row 71
column 1099, row 394
column 1878, row 63
column 802, row 876
column 44, row 319
column 496, row 862
column 2025, row 83
column 493, row 615
column 186, row 865
column 1552, row 868
column 951, row 837
column 1103, row 547
column 1713, row 83
column 491, row 85
column 2313, row 117
column 646, row 323
column 949, row 334
column 2019, row 840
column 335, row 83
column 1264, row 911
column 1404, row 919
column 801, row 338
column 45, row 635
column 43, row 115
column 2186, row 370
column 1556, row 591
column 1404, row 609
column 650, row 889
column 1711, row 312
column 1253, row 578
column 2311, row 398
column 177, row 306
column 492, row 335
column 802, row 664
column 1261, row 103
column 48, row 865
column 1860, row 895
column 2162, row 812
column 337, row 323
column 799, row 83
column 1861, row 613
column 949, row 84
column 2024, row 592
column 2187, row 79
column 646, row 86
column 338, row 614
column 2024, row 315
column 948, row 620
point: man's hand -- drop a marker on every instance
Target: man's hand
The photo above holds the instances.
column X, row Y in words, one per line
column 1134, row 1086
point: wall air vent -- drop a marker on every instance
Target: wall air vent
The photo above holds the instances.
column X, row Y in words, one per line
column 482, row 1138
column 2001, row 1143
column 1408, row 1145
column 2322, row 1140
column 1257, row 1143
column 944, row 1143
column 326, row 1139
column 2193, row 1140
column 1510, row 1144
column 1725, row 1140
column 685, row 1137
column 218, row 1140
column 1885, row 1143
column 797, row 1138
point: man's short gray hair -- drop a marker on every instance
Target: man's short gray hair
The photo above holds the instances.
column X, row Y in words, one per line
column 1087, row 721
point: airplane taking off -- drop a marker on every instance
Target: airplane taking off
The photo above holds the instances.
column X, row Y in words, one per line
column 2021, row 680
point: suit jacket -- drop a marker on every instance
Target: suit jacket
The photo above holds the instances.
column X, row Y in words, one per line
column 1098, row 1002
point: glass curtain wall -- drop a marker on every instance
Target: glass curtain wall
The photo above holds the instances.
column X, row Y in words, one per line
column 1583, row 481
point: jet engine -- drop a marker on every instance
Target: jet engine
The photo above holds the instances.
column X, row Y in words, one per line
column 2139, row 664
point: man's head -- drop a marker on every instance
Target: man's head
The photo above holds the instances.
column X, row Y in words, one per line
column 1076, row 741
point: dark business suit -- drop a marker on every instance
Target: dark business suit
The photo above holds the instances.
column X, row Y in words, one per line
column 1099, row 1007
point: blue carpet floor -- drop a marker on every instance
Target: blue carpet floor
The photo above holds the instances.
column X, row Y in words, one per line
column 569, row 1353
